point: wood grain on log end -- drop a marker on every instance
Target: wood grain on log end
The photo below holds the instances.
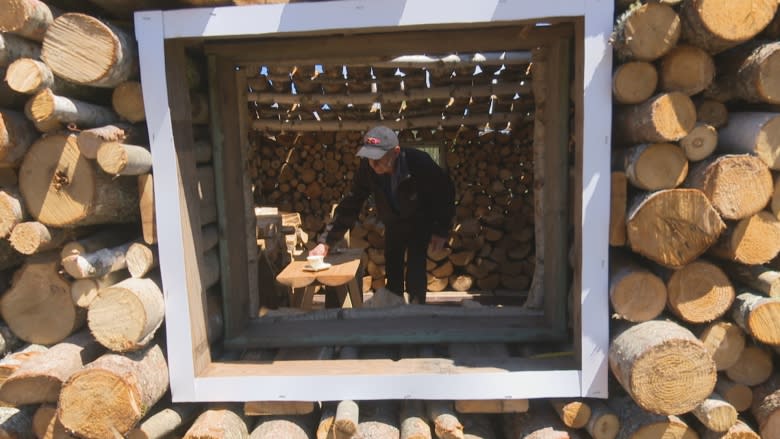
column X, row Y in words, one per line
column 716, row 25
column 699, row 292
column 635, row 293
column 737, row 185
column 647, row 32
column 28, row 18
column 28, row 76
column 634, row 82
column 724, row 341
column 656, row 166
column 128, row 101
column 687, row 69
column 700, row 143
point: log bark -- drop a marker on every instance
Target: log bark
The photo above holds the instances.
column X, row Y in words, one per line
column 758, row 317
column 666, row 117
column 634, row 82
column 121, row 159
column 108, row 60
column 33, row 237
column 12, row 210
column 753, row 367
column 16, row 136
column 146, row 207
column 46, row 425
column 647, row 32
column 617, row 209
column 40, row 379
column 445, row 422
column 715, row 413
column 62, row 189
column 673, row 227
column 109, row 396
column 655, row 166
column 711, row 112
column 89, row 141
column 346, row 421
column 686, row 69
column 745, row 72
column 635, row 293
column 737, row 185
column 128, row 101
column 141, row 259
column 738, row 395
column 40, row 294
column 96, row 264
column 13, row 47
column 752, row 240
column 662, row 366
column 104, row 238
column 46, row 106
column 30, row 77
column 724, row 341
column 758, row 277
column 85, row 291
column 699, row 292
column 752, row 133
column 716, row 25
column 536, row 425
column 26, row 18
column 700, row 143
column 603, row 422
column 16, row 423
column 766, row 408
column 573, row 414
column 125, row 316
column 739, row 430
column 219, row 423
column 13, row 361
column 636, row 423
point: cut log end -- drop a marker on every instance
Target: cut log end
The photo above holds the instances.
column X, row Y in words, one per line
column 634, row 82
column 674, row 115
column 648, row 33
column 700, row 143
column 28, row 76
column 638, row 296
column 700, row 292
column 41, row 106
column 128, row 101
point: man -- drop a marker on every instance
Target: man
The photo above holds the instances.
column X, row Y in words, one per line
column 415, row 199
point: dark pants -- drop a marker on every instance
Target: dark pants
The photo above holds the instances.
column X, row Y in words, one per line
column 410, row 238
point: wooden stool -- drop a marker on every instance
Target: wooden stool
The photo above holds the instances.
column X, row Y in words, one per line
column 344, row 271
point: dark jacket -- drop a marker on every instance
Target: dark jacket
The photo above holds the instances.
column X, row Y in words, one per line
column 425, row 195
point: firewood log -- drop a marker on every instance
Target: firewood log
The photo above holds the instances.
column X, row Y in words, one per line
column 141, row 259
column 757, row 316
column 662, row 366
column 12, row 210
column 666, row 117
column 536, row 424
column 715, row 413
column 716, row 25
column 165, row 421
column 14, row 360
column 759, row 277
column 346, row 421
column 617, row 209
column 635, row 293
column 700, row 142
column 47, row 425
column 752, row 240
column 46, row 106
column 683, row 223
column 146, row 208
column 711, row 112
column 13, row 47
column 722, row 176
column 40, row 379
column 30, row 77
column 739, row 430
column 103, row 238
column 654, row 166
column 573, row 413
column 461, row 282
column 745, row 73
column 753, row 367
column 436, row 284
column 292, row 427
column 414, row 425
column 40, row 294
column 699, row 292
column 98, row 263
column 61, row 188
column 32, row 237
column 636, row 423
column 687, row 69
column 603, row 422
column 16, row 136
column 125, row 316
column 646, row 33
column 219, row 423
column 107, row 61
column 766, row 408
column 634, row 82
column 85, row 291
column 724, row 341
column 128, row 101
column 121, row 159
column 380, row 420
column 445, row 421
column 9, row 257
column 26, row 18
column 10, row 99
column 90, row 140
column 751, row 132
column 110, row 395
column 738, row 395
column 16, row 423
column 325, row 424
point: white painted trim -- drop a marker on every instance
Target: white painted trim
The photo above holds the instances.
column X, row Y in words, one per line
column 151, row 53
column 356, row 14
column 153, row 27
column 511, row 385
column 597, row 115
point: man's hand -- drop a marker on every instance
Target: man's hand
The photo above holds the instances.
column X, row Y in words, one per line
column 437, row 243
column 320, row 250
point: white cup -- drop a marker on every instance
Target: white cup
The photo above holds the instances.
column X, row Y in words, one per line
column 315, row 261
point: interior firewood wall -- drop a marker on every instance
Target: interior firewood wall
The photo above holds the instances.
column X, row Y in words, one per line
column 491, row 244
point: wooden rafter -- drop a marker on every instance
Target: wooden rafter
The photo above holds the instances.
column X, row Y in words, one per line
column 495, row 120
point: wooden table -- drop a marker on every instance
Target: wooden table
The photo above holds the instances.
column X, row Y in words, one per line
column 344, row 271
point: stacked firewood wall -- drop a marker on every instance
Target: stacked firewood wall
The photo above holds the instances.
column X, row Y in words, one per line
column 491, row 245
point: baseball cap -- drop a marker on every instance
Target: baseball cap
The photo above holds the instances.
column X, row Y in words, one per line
column 377, row 142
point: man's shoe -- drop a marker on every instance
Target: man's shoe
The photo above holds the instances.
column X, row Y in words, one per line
column 384, row 298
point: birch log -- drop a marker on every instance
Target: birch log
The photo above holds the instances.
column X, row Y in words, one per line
column 758, row 317
column 146, row 208
column 716, row 413
column 165, row 421
column 141, row 259
column 85, row 291
column 12, row 211
column 46, row 106
column 752, row 133
column 26, row 18
column 121, row 159
column 33, row 237
column 13, row 47
column 16, row 136
column 90, row 140
column 98, row 263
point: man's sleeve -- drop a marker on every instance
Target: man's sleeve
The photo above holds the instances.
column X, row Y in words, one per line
column 442, row 200
column 349, row 207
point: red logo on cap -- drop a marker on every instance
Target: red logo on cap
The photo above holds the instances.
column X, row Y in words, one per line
column 373, row 141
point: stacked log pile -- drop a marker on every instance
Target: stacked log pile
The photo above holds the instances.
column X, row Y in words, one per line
column 697, row 237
